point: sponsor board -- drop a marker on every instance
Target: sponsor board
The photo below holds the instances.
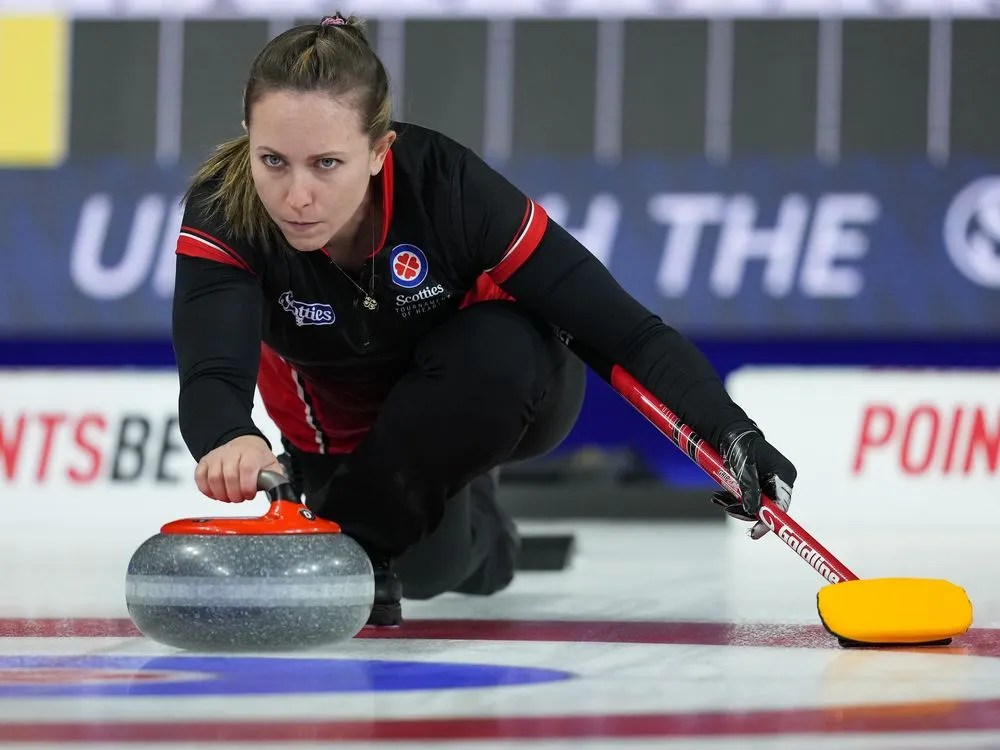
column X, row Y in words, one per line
column 93, row 462
column 882, row 446
column 751, row 248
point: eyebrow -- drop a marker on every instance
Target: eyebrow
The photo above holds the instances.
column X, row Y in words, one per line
column 270, row 150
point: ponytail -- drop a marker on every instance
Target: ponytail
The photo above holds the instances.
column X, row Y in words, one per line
column 233, row 196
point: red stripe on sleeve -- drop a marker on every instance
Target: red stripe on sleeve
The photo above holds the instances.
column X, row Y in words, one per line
column 200, row 245
column 206, row 236
column 524, row 244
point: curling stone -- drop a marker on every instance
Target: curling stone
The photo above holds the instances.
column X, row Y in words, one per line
column 286, row 580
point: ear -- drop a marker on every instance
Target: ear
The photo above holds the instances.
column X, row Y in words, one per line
column 243, row 124
column 380, row 149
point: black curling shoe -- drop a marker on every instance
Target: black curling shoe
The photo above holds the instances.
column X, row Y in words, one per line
column 386, row 610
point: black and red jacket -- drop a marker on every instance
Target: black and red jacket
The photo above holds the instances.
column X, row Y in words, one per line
column 455, row 232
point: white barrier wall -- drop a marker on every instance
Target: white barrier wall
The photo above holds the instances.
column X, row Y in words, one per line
column 872, row 446
column 894, row 467
column 91, row 464
column 104, row 447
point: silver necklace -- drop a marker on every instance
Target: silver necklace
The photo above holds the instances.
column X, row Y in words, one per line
column 369, row 302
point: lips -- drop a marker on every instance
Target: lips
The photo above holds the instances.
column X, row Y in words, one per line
column 301, row 225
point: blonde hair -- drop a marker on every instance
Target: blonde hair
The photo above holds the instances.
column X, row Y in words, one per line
column 332, row 56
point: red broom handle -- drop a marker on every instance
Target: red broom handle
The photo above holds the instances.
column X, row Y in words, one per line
column 699, row 451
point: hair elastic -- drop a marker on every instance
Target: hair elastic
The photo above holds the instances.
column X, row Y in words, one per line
column 337, row 20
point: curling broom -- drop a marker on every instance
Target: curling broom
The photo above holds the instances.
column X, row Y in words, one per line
column 859, row 612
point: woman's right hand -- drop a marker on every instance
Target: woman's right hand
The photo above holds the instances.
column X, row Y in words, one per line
column 229, row 472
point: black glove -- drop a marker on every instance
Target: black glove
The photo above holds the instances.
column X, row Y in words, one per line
column 757, row 466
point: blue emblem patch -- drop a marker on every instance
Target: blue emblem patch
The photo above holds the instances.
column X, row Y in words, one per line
column 408, row 266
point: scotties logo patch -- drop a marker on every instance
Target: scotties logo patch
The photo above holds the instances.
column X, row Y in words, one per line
column 307, row 313
column 408, row 266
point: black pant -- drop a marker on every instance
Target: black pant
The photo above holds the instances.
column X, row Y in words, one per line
column 489, row 386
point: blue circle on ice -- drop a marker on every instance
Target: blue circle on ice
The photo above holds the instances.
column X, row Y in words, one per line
column 42, row 676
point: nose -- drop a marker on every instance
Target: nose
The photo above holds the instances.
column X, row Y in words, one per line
column 299, row 194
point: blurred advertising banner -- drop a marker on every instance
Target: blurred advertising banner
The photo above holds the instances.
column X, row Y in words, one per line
column 92, row 464
column 521, row 8
column 97, row 430
column 889, row 447
column 752, row 248
column 98, row 454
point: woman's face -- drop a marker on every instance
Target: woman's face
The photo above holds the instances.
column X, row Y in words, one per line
column 311, row 163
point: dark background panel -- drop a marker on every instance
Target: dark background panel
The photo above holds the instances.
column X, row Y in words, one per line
column 664, row 95
column 217, row 58
column 445, row 74
column 113, row 89
column 371, row 32
column 975, row 99
column 554, row 92
column 774, row 87
column 884, row 85
column 885, row 79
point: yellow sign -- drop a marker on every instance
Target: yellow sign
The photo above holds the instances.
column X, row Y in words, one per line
column 33, row 90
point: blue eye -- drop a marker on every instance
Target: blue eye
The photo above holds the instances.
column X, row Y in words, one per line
column 328, row 162
column 271, row 160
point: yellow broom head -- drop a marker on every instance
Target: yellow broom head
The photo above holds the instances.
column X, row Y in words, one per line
column 895, row 611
